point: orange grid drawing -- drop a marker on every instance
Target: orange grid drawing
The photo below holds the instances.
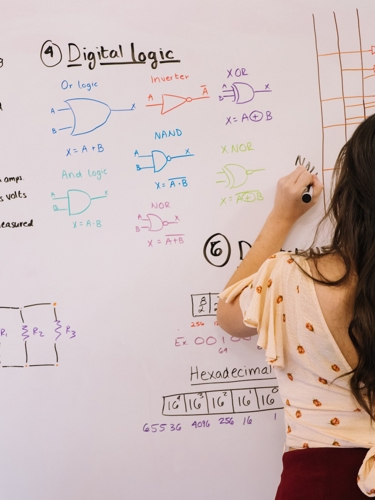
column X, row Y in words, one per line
column 346, row 72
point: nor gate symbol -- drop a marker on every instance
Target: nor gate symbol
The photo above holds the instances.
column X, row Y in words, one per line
column 153, row 222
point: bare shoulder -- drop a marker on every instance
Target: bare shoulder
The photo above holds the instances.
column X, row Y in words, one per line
column 332, row 268
column 329, row 267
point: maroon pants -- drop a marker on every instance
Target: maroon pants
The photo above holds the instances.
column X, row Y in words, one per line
column 321, row 474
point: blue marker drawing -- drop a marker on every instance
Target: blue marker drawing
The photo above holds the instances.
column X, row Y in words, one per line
column 157, row 160
column 78, row 201
column 241, row 92
column 88, row 114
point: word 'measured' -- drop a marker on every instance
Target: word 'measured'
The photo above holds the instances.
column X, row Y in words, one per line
column 13, row 225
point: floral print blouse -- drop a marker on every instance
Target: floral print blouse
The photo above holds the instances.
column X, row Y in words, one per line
column 320, row 411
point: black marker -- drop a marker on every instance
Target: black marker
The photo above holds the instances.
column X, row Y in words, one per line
column 308, row 194
column 309, row 190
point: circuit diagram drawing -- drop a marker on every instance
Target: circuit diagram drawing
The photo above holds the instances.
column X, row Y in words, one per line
column 75, row 202
column 88, row 114
column 345, row 67
column 29, row 335
column 169, row 102
column 234, row 175
column 241, row 92
column 152, row 222
column 157, row 160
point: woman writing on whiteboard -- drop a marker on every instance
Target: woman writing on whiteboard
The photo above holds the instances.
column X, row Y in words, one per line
column 315, row 315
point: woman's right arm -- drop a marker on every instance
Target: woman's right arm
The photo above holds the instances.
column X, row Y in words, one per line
column 288, row 208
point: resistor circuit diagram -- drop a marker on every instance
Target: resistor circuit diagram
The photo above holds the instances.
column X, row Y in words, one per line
column 30, row 335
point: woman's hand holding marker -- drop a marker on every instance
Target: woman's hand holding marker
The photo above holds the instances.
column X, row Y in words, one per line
column 289, row 202
column 308, row 194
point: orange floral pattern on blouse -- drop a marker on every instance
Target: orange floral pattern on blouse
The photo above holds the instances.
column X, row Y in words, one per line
column 319, row 408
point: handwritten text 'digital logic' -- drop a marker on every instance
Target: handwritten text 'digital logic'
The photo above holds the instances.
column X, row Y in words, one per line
column 51, row 55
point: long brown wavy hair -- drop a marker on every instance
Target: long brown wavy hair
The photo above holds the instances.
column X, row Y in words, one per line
column 352, row 213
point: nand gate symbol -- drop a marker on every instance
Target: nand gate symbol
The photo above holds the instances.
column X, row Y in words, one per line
column 13, row 225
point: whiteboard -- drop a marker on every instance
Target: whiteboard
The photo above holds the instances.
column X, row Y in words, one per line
column 141, row 143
